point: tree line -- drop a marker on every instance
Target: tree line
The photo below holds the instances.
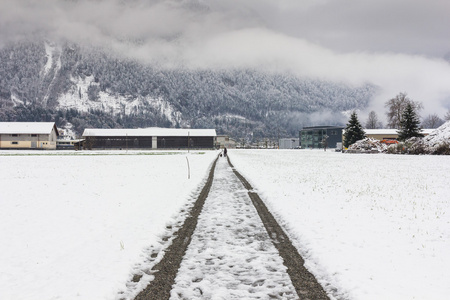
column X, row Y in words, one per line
column 395, row 108
column 402, row 114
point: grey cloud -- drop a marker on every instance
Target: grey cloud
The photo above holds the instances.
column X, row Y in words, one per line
column 393, row 44
column 402, row 26
column 405, row 26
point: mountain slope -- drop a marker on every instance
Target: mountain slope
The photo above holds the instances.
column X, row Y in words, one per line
column 88, row 86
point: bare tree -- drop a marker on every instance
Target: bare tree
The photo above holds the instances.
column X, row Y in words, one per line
column 447, row 116
column 396, row 107
column 432, row 121
column 372, row 121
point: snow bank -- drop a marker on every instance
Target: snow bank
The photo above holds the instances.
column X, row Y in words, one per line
column 439, row 136
column 368, row 145
column 437, row 142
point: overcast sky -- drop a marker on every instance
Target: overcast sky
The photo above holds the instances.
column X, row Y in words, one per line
column 397, row 45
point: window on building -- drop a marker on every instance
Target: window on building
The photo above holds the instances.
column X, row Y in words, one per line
column 333, row 132
column 14, row 135
column 34, row 135
column 15, row 143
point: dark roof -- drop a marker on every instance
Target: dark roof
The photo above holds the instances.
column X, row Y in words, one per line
column 323, row 127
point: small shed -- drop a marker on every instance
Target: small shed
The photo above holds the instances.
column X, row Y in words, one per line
column 28, row 135
column 291, row 143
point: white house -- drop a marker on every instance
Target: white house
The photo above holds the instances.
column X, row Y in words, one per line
column 28, row 135
column 389, row 134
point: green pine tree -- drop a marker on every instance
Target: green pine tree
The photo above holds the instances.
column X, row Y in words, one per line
column 354, row 131
column 409, row 125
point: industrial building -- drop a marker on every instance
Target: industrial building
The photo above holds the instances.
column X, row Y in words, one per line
column 149, row 138
column 28, row 135
column 315, row 136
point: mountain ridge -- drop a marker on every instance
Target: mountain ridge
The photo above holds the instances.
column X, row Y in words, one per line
column 92, row 87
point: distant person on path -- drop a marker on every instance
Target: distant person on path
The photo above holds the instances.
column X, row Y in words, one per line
column 225, row 151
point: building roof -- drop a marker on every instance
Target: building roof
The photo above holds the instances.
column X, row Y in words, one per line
column 153, row 131
column 27, row 127
column 391, row 131
column 322, row 127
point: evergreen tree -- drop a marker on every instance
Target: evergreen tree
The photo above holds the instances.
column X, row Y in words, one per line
column 353, row 131
column 409, row 126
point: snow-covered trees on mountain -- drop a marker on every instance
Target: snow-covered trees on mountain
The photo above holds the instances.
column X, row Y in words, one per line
column 241, row 102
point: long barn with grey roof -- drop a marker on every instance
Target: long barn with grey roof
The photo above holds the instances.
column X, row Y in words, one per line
column 149, row 138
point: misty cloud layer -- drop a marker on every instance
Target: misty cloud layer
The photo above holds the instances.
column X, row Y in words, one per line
column 396, row 45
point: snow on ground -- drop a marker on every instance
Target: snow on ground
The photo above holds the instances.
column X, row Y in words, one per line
column 369, row 226
column 231, row 255
column 74, row 225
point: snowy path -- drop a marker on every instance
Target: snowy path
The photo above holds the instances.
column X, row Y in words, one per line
column 231, row 255
column 230, row 247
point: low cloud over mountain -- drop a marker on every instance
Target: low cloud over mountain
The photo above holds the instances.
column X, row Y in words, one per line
column 397, row 46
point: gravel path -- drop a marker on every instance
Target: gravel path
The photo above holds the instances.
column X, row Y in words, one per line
column 231, row 247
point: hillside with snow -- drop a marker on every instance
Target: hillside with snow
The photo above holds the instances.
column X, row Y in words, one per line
column 437, row 142
column 88, row 86
column 439, row 136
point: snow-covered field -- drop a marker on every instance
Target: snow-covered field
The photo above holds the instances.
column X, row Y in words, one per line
column 371, row 226
column 79, row 226
column 76, row 225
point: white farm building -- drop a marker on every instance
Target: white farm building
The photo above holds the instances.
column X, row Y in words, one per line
column 28, row 135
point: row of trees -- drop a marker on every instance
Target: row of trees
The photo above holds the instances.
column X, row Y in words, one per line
column 395, row 108
column 403, row 114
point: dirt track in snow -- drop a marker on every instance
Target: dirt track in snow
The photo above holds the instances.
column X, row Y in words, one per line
column 165, row 272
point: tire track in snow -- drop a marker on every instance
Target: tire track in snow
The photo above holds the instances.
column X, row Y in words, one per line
column 231, row 256
column 305, row 283
column 229, row 253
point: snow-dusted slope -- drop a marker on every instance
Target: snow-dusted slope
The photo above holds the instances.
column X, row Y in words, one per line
column 98, row 81
column 439, row 136
column 77, row 97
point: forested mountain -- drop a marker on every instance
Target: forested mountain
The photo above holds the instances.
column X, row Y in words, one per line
column 91, row 87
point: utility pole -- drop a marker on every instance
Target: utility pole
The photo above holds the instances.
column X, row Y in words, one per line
column 278, row 137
